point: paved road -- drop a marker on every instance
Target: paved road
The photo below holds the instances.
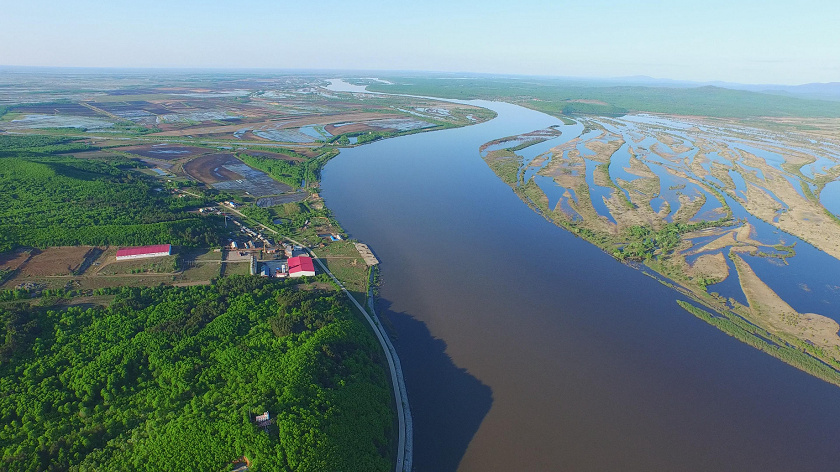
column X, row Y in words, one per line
column 405, row 441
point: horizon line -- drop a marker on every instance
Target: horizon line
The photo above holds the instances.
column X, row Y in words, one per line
column 210, row 69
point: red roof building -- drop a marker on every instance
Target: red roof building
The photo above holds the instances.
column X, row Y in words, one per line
column 301, row 266
column 140, row 252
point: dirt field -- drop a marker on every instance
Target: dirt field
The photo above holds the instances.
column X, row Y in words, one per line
column 196, row 267
column 225, row 172
column 349, row 128
column 57, row 109
column 55, row 261
column 124, row 108
column 94, row 155
column 166, row 151
column 13, row 260
column 208, row 168
column 281, row 124
column 50, row 268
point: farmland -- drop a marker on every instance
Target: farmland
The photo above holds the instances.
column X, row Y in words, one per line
column 288, row 110
column 226, row 172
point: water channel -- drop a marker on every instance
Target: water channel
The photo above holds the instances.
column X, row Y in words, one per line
column 525, row 348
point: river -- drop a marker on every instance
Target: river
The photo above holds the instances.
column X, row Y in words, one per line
column 525, row 348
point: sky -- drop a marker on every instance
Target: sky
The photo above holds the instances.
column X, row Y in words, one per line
column 745, row 41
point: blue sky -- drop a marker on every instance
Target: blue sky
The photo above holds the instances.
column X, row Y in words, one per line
column 739, row 41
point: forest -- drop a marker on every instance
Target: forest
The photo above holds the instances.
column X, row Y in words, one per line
column 51, row 199
column 169, row 378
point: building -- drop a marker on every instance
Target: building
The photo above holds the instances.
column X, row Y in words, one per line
column 278, row 268
column 140, row 252
column 294, row 251
column 301, row 266
column 264, row 421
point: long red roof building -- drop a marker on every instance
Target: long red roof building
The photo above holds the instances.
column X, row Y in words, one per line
column 139, row 252
column 301, row 266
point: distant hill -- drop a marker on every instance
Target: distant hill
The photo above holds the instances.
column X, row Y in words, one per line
column 605, row 97
column 818, row 91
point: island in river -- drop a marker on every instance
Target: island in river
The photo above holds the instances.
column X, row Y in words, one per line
column 699, row 204
column 725, row 195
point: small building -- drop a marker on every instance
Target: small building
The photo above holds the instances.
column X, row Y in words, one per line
column 278, row 268
column 301, row 266
column 140, row 252
column 264, row 421
column 294, row 251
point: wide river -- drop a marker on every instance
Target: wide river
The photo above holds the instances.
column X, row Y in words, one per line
column 525, row 348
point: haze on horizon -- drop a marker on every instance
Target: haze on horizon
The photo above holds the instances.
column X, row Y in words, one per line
column 749, row 41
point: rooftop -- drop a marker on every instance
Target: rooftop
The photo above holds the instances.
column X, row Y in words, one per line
column 139, row 250
column 301, row 264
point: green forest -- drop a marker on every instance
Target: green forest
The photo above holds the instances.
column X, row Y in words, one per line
column 168, row 378
column 58, row 200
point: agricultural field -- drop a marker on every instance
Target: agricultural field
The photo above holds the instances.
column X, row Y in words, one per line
column 87, row 268
column 165, row 151
column 71, row 260
column 226, row 172
column 295, row 111
column 259, row 141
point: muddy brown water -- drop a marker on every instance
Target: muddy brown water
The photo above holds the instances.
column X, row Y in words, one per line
column 525, row 348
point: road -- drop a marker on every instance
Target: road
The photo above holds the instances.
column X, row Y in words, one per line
column 405, row 436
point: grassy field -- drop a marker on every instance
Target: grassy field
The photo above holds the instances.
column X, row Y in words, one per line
column 344, row 261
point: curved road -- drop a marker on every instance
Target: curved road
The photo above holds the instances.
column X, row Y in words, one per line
column 405, row 436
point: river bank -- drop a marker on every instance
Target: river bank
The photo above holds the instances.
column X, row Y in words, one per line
column 567, row 360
